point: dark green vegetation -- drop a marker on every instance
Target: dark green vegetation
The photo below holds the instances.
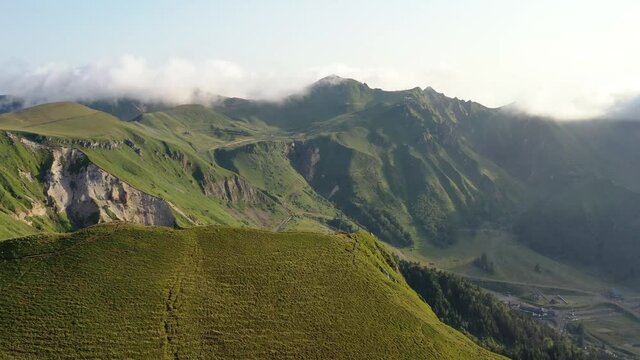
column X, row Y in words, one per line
column 582, row 181
column 608, row 323
column 124, row 291
column 598, row 223
column 490, row 323
column 483, row 263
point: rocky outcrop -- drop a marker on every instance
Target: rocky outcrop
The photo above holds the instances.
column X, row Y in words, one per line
column 37, row 210
column 304, row 157
column 48, row 142
column 233, row 190
column 90, row 195
column 32, row 145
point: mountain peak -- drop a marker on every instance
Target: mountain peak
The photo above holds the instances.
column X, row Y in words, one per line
column 332, row 79
column 335, row 80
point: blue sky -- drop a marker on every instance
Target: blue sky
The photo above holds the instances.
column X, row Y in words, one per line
column 261, row 33
column 566, row 58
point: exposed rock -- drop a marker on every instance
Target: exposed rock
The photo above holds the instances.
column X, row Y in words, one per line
column 133, row 146
column 32, row 145
column 40, row 141
column 179, row 211
column 90, row 195
column 304, row 157
column 176, row 155
column 233, row 190
column 37, row 209
column 92, row 144
column 25, row 175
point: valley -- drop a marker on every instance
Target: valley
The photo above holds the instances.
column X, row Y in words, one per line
column 574, row 295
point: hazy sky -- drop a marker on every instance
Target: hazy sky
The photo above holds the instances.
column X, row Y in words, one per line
column 566, row 58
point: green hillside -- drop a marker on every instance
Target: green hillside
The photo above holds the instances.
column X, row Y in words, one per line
column 124, row 291
column 200, row 127
column 392, row 161
column 410, row 166
column 66, row 120
column 414, row 166
column 176, row 143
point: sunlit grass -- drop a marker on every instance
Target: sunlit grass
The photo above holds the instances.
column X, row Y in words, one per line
column 130, row 292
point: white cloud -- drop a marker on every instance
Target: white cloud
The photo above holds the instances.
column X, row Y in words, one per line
column 545, row 88
column 177, row 80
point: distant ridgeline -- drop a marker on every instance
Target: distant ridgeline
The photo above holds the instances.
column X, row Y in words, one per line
column 10, row 103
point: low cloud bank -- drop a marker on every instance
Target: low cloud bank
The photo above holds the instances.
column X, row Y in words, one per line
column 180, row 80
column 177, row 81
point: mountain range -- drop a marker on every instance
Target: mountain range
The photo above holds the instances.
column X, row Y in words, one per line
column 415, row 168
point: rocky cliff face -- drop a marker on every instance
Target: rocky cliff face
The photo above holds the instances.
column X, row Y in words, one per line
column 90, row 195
column 233, row 190
column 304, row 158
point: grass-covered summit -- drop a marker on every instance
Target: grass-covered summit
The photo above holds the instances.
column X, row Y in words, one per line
column 124, row 291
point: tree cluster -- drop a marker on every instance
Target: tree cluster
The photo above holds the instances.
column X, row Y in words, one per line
column 486, row 320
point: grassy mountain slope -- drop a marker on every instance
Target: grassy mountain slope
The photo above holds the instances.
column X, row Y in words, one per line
column 410, row 166
column 137, row 152
column 22, row 198
column 199, row 126
column 392, row 161
column 213, row 291
column 326, row 99
column 582, row 181
column 613, row 145
column 267, row 166
column 414, row 167
column 540, row 153
column 126, row 109
column 513, row 261
column 66, row 120
column 598, row 223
